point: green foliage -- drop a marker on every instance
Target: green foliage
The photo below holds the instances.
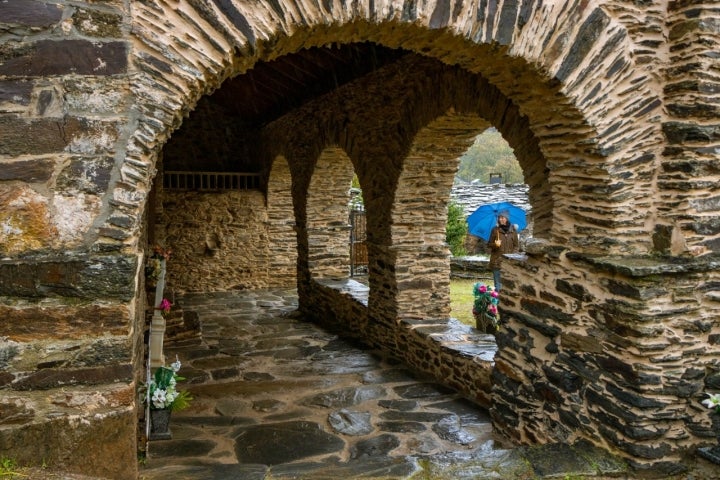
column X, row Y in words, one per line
column 456, row 229
column 356, row 199
column 182, row 401
column 490, row 154
column 8, row 468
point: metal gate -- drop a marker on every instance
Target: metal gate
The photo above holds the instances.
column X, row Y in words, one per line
column 358, row 245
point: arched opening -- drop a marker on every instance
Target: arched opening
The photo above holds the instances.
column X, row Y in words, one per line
column 327, row 215
column 282, row 260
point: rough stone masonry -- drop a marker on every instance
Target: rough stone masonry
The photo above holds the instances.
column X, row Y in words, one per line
column 610, row 328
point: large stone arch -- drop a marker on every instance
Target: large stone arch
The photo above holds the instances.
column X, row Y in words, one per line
column 644, row 180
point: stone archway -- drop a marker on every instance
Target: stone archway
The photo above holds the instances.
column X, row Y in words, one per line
column 283, row 245
column 420, row 215
column 327, row 212
column 625, row 169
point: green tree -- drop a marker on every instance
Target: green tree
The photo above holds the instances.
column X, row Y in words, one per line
column 490, row 153
column 456, row 229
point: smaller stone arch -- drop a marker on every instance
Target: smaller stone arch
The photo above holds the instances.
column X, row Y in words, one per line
column 419, row 214
column 327, row 215
column 282, row 261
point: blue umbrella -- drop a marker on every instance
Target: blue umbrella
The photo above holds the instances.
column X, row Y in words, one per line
column 482, row 220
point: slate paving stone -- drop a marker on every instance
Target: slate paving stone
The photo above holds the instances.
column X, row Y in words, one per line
column 468, row 412
column 402, row 405
column 224, row 421
column 402, row 427
column 420, row 416
column 449, row 429
column 422, row 390
column 351, row 423
column 268, row 405
column 389, row 376
column 345, row 397
column 374, row 447
column 278, row 443
column 183, row 448
column 370, row 467
column 423, row 445
column 229, row 407
column 289, row 415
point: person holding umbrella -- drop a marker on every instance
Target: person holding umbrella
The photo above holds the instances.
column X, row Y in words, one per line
column 503, row 239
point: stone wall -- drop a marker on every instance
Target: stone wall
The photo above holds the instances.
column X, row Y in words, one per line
column 624, row 358
column 219, row 240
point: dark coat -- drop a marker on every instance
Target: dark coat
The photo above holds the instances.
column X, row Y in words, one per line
column 509, row 243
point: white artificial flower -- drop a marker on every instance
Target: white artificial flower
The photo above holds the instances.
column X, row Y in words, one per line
column 170, row 397
column 159, row 398
column 176, row 364
column 713, row 400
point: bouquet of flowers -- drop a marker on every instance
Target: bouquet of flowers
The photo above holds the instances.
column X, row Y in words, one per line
column 485, row 308
column 153, row 266
column 162, row 392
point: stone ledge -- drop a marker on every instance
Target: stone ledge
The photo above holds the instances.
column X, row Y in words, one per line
column 81, row 276
column 647, row 265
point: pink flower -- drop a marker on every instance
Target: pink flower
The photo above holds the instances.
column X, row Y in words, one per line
column 165, row 305
column 492, row 309
column 483, row 289
column 494, row 294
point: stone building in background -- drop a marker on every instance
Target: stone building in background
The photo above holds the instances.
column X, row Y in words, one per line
column 611, row 333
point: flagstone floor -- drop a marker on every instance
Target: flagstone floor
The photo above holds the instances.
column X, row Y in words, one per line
column 279, row 398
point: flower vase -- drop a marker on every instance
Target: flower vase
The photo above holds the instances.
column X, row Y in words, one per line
column 484, row 323
column 160, row 424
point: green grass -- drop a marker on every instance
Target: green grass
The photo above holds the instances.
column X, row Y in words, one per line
column 462, row 299
column 9, row 469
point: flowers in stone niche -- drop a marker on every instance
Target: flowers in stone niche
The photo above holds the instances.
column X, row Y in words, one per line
column 713, row 401
column 485, row 308
column 162, row 392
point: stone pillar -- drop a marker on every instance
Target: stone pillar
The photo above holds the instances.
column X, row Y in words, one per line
column 689, row 174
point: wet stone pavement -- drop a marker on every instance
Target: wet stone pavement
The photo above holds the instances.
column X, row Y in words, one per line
column 279, row 398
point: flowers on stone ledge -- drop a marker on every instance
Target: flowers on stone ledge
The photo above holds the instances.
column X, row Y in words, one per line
column 485, row 308
column 162, row 392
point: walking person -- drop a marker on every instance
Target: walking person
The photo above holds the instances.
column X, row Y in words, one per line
column 503, row 239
